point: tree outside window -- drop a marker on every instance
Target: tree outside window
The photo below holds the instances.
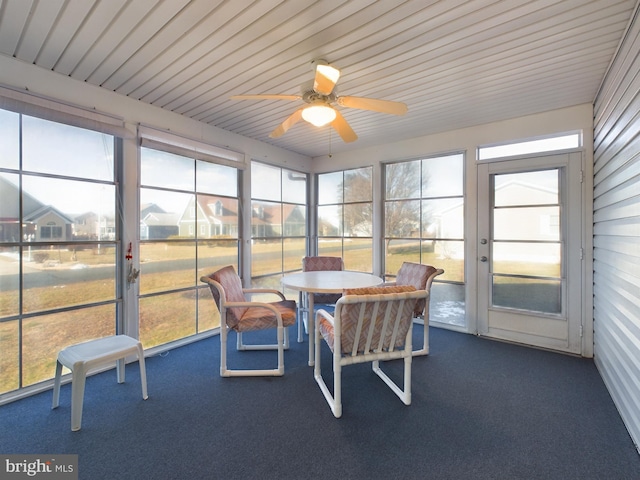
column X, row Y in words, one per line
column 345, row 217
column 424, row 223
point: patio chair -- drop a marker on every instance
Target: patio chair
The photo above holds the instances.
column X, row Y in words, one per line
column 369, row 325
column 241, row 315
column 328, row 300
column 421, row 277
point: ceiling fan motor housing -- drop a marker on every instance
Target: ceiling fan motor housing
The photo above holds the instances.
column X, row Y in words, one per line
column 309, row 95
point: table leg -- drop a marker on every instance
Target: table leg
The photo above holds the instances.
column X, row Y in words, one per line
column 310, row 328
column 300, row 317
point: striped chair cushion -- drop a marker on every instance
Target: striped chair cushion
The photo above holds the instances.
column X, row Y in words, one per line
column 232, row 285
column 244, row 319
column 315, row 264
column 350, row 314
column 415, row 274
column 259, row 318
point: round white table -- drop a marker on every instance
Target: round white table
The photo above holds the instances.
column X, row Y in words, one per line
column 333, row 281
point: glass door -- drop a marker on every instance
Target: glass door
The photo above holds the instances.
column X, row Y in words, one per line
column 530, row 255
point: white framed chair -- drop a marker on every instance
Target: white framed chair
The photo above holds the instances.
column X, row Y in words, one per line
column 369, row 325
column 241, row 315
column 421, row 277
column 318, row 264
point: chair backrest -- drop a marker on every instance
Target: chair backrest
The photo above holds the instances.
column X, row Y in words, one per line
column 420, row 276
column 231, row 284
column 376, row 319
column 315, row 264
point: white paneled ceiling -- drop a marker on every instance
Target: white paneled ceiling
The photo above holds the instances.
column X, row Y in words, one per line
column 455, row 63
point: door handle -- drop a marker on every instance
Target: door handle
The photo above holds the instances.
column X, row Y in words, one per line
column 483, row 258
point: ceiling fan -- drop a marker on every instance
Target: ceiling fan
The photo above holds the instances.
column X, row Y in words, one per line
column 319, row 99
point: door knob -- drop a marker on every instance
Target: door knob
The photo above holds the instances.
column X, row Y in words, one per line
column 483, row 259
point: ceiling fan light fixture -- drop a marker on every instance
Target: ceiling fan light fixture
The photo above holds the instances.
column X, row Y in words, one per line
column 329, row 72
column 319, row 115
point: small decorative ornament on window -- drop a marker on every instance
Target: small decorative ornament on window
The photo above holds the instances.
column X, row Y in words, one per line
column 132, row 273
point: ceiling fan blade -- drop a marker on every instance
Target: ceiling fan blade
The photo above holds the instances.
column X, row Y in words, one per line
column 287, row 124
column 326, row 79
column 373, row 104
column 266, row 97
column 343, row 128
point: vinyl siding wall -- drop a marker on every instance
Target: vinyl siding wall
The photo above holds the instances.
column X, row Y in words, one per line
column 617, row 230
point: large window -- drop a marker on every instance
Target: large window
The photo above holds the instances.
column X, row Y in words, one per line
column 189, row 226
column 424, row 223
column 278, row 223
column 58, row 244
column 345, row 223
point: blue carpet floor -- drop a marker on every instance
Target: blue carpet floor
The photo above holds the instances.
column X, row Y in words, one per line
column 481, row 410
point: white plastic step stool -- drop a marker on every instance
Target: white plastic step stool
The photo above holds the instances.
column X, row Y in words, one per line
column 82, row 357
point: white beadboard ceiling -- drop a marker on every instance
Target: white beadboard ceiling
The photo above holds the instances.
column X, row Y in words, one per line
column 455, row 63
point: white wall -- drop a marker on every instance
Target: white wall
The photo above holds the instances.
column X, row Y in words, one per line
column 467, row 139
column 617, row 231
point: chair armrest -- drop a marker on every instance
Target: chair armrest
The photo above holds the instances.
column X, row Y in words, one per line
column 268, row 306
column 327, row 316
column 264, row 290
column 251, row 304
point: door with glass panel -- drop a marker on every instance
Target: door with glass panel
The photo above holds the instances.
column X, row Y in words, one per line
column 530, row 252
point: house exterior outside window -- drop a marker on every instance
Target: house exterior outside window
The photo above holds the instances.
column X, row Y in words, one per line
column 184, row 235
column 58, row 276
column 278, row 223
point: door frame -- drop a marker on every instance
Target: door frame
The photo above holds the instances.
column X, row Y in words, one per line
column 578, row 314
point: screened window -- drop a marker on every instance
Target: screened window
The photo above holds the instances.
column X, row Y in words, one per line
column 424, row 223
column 278, row 223
column 189, row 227
column 58, row 270
column 526, row 241
column 345, row 217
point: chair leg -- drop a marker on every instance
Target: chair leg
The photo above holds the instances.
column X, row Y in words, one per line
column 282, row 332
column 79, row 377
column 225, row 371
column 241, row 346
column 337, row 388
column 56, row 386
column 120, row 370
column 335, row 400
column 402, row 394
column 406, row 397
column 223, row 351
column 425, row 347
column 425, row 343
column 143, row 372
